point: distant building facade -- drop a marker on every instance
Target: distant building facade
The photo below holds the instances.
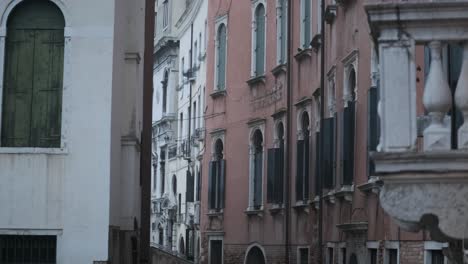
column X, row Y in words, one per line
column 178, row 128
column 248, row 213
column 71, row 113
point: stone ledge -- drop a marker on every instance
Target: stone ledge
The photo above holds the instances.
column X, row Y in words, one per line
column 346, row 192
column 303, row 53
column 353, row 227
column 281, row 68
column 301, row 206
column 256, row 80
column 254, row 212
column 374, row 184
column 218, row 93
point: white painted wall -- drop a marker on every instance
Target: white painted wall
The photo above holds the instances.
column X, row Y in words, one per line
column 67, row 192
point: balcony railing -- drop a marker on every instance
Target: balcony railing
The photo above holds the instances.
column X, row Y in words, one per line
column 425, row 184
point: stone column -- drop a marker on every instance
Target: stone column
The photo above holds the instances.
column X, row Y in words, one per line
column 437, row 100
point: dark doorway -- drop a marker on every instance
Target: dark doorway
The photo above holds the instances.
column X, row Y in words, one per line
column 353, row 259
column 255, row 256
column 216, row 251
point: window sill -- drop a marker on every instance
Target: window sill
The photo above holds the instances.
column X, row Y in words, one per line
column 301, row 206
column 346, row 192
column 256, row 80
column 48, row 151
column 330, row 197
column 281, row 68
column 303, row 53
column 276, row 208
column 215, row 214
column 372, row 185
column 218, row 93
column 254, row 212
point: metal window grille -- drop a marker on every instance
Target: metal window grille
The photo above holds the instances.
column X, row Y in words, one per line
column 15, row 249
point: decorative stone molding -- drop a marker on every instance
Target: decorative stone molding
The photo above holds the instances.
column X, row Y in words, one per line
column 346, row 193
column 301, row 206
column 281, row 68
column 374, row 184
column 330, row 197
column 461, row 99
column 426, row 191
column 353, row 227
column 254, row 212
column 256, row 80
column 303, row 54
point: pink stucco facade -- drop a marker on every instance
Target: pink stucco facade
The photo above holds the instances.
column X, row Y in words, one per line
column 353, row 220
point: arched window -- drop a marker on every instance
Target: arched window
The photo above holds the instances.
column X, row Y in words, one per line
column 257, row 162
column 303, row 163
column 255, row 256
column 33, row 76
column 221, row 57
column 259, row 49
column 216, row 177
column 164, row 91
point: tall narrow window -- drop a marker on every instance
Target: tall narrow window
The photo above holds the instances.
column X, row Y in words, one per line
column 257, row 156
column 303, row 162
column 164, row 91
column 259, row 51
column 275, row 169
column 33, row 76
column 349, row 120
column 190, row 193
column 165, row 13
column 216, row 178
column 306, row 24
column 195, row 117
column 221, row 58
column 174, row 184
column 281, row 31
column 181, row 121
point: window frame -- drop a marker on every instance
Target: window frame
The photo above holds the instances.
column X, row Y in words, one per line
column 281, row 37
column 430, row 246
column 223, row 20
column 307, row 109
column 215, row 238
column 253, row 128
column 303, row 24
column 255, row 4
column 66, row 95
column 389, row 245
column 299, row 254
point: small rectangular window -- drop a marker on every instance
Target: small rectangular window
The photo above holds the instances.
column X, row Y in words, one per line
column 28, row 249
column 373, row 256
column 392, row 256
column 330, row 256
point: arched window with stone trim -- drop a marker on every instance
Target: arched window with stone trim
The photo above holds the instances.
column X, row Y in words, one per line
column 257, row 169
column 303, row 159
column 33, row 76
column 216, row 177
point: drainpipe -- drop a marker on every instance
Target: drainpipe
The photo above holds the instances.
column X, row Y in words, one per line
column 322, row 136
column 145, row 155
column 289, row 132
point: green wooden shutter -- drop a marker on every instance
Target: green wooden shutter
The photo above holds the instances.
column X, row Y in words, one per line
column 279, row 176
column 372, row 127
column 212, row 184
column 221, row 63
column 300, row 170
column 47, row 90
column 348, row 143
column 271, row 173
column 317, row 163
column 306, row 167
column 222, row 184
column 328, row 146
column 260, row 41
column 18, row 88
column 190, row 187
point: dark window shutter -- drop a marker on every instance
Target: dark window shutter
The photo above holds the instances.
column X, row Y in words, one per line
column 300, row 170
column 212, row 185
column 328, row 152
column 306, row 167
column 317, row 163
column 199, row 180
column 258, row 179
column 348, row 143
column 271, row 173
column 190, row 187
column 279, row 176
column 373, row 127
column 18, row 88
column 260, row 41
column 221, row 63
column 47, row 91
column 222, row 184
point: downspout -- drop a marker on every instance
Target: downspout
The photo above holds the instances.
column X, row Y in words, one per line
column 322, row 136
column 145, row 155
column 289, row 132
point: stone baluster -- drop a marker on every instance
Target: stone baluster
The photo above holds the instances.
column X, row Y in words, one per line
column 461, row 100
column 437, row 101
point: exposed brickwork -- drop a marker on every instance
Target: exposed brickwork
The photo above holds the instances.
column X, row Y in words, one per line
column 411, row 252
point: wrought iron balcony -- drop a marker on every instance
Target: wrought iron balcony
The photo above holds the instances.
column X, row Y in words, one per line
column 425, row 181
